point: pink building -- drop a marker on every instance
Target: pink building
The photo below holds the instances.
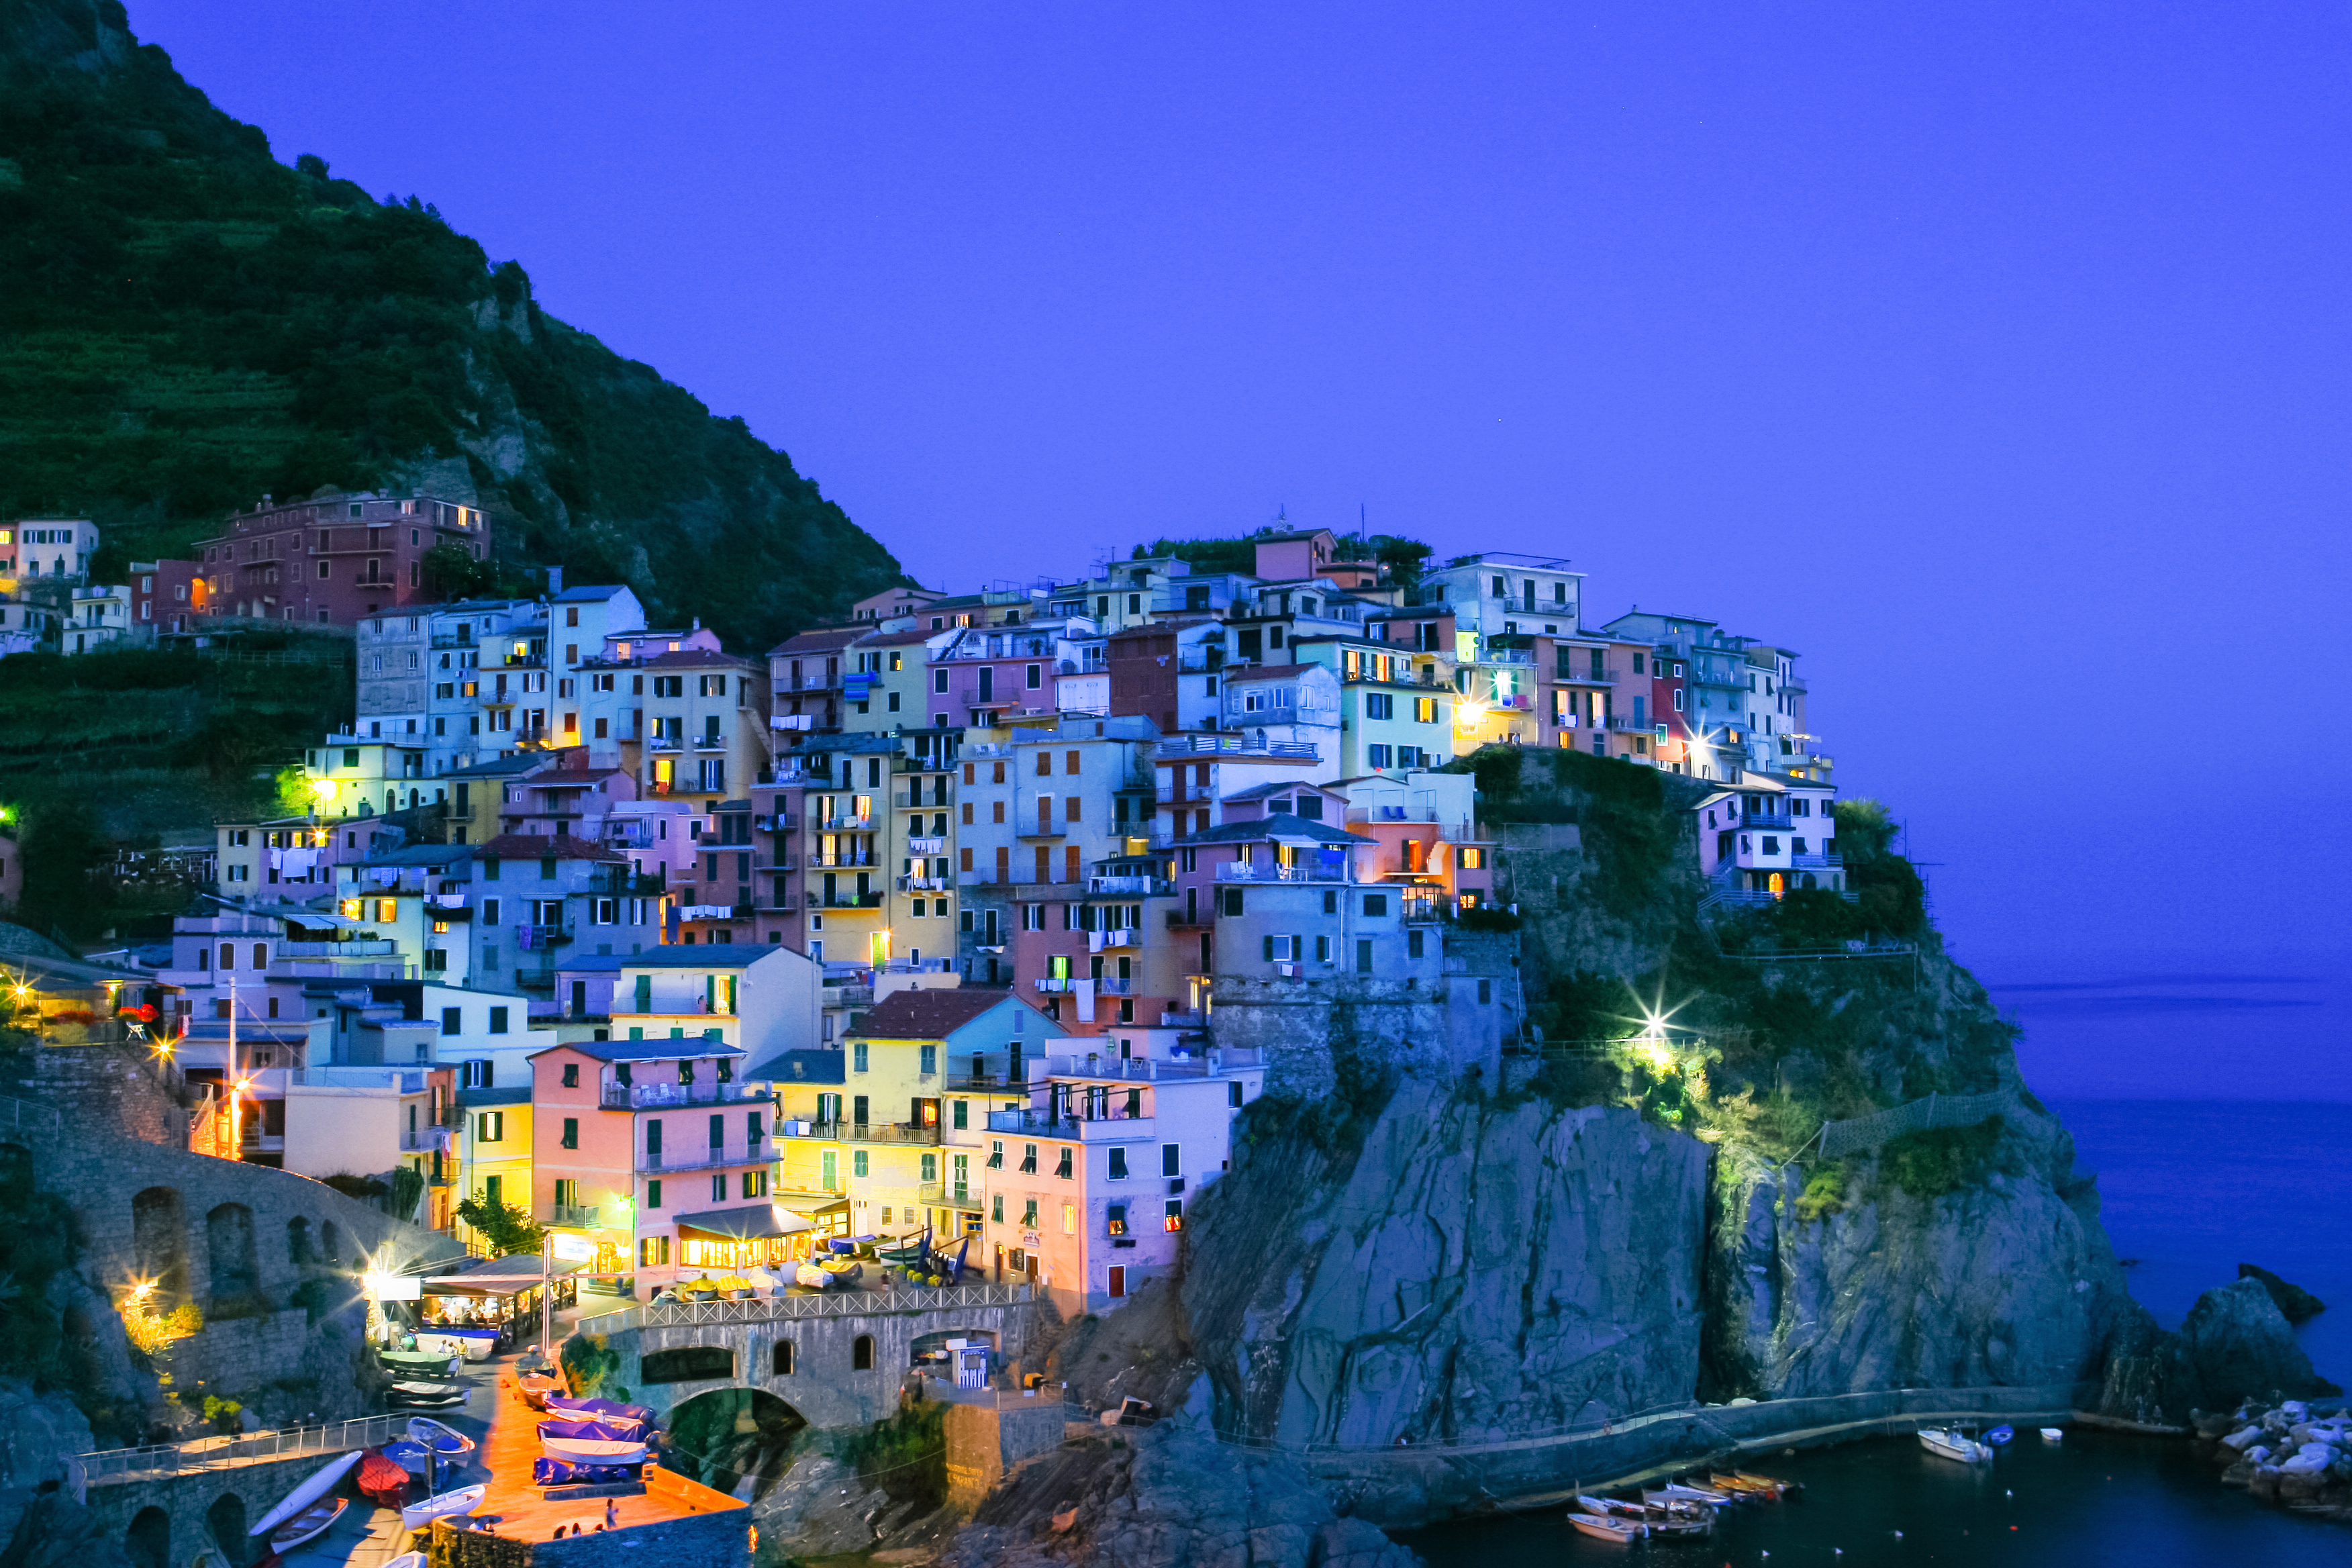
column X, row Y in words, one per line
column 1089, row 1183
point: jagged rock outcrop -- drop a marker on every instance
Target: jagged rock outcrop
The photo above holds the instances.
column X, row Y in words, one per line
column 2299, row 1305
column 1477, row 1268
column 1167, row 1496
column 2234, row 1346
column 2010, row 1280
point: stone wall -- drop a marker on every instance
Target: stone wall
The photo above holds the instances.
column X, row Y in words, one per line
column 985, row 1441
column 1438, row 1029
column 124, row 1088
column 240, row 1352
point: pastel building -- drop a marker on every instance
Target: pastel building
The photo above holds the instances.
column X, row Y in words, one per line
column 334, row 558
column 1768, row 834
column 48, row 547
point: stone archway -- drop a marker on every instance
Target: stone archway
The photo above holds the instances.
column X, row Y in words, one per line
column 148, row 1542
column 732, row 1436
column 226, row 1521
column 159, row 1241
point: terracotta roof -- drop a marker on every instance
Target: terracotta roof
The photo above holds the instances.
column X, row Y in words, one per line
column 693, row 656
column 544, row 846
column 898, row 639
column 825, row 640
column 928, row 1015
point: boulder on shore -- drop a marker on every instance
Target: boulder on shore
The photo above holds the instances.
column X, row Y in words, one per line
column 2296, row 1304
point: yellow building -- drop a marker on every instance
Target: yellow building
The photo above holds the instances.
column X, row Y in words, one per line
column 493, row 1152
column 867, row 1130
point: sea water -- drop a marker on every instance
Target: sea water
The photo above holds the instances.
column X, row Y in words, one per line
column 2189, row 1189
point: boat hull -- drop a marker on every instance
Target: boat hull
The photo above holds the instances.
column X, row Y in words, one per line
column 1624, row 1532
column 316, row 1485
column 593, row 1451
column 465, row 1500
column 309, row 1525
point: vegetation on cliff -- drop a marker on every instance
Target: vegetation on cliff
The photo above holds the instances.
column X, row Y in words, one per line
column 187, row 324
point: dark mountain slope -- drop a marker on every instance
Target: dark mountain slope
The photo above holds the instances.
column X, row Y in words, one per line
column 187, row 325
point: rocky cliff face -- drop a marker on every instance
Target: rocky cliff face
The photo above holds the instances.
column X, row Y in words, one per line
column 2008, row 1281
column 1476, row 1269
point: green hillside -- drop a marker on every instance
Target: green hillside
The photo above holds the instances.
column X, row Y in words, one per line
column 187, row 324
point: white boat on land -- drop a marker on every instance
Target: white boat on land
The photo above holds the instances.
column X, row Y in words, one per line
column 316, row 1485
column 2053, row 1434
column 309, row 1525
column 449, row 1446
column 592, row 1450
column 465, row 1500
column 1604, row 1527
column 1951, row 1443
column 406, row 1560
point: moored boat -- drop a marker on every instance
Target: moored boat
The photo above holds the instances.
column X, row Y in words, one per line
column 1684, row 1492
column 1609, row 1506
column 2053, row 1434
column 1605, row 1527
column 384, row 1481
column 313, row 1487
column 309, row 1525
column 1951, row 1443
column 417, row 1393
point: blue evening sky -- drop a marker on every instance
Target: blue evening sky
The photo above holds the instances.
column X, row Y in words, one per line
column 1994, row 355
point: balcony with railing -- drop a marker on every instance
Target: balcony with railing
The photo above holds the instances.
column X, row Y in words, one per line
column 847, row 823
column 862, row 856
column 1769, row 821
column 428, row 1140
column 844, row 900
column 680, row 1096
column 775, row 822
column 1195, row 747
column 1587, row 676
column 923, row 884
column 1114, row 1127
column 573, row 1216
column 706, row 1157
column 533, row 938
column 1251, row 871
column 1135, row 887
column 860, row 1132
column 1190, row 919
column 926, row 845
column 785, row 685
column 921, row 800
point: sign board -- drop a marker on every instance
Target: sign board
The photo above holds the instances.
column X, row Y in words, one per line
column 572, row 1248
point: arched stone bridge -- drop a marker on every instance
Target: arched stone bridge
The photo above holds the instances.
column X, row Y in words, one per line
column 164, row 1505
column 837, row 1358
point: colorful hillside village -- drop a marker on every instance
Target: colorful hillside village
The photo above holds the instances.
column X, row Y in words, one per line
column 967, row 919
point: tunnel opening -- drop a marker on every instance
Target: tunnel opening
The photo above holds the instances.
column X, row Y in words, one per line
column 734, row 1440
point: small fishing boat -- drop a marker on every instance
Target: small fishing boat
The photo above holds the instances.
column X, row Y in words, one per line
column 417, row 1393
column 1748, row 1481
column 449, row 1446
column 1679, row 1491
column 309, row 1525
column 551, row 1472
column 448, row 1505
column 313, row 1487
column 1602, row 1527
column 384, row 1480
column 912, row 1249
column 1951, row 1443
column 417, row 1364
column 593, row 1442
column 1740, row 1486
column 2053, row 1434
column 2001, row 1436
column 406, row 1560
column 535, row 1386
